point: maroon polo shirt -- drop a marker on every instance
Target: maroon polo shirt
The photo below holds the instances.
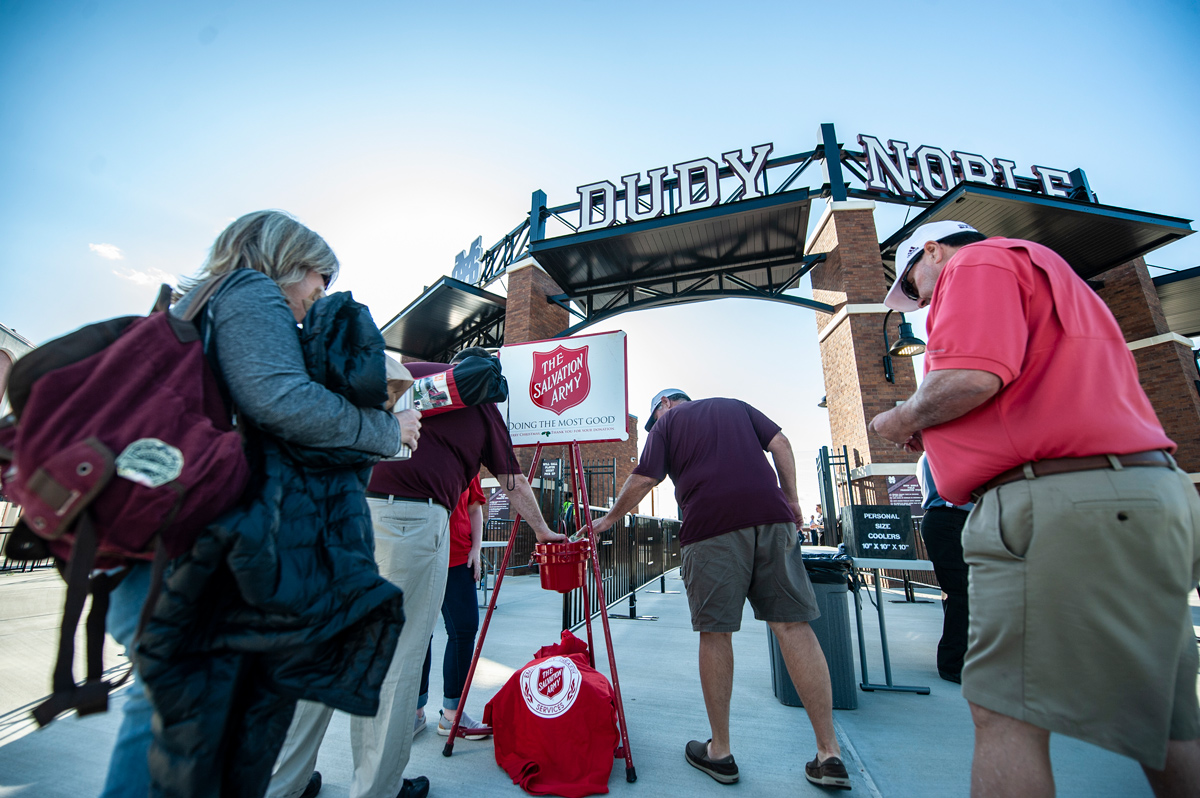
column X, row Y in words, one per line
column 713, row 450
column 451, row 448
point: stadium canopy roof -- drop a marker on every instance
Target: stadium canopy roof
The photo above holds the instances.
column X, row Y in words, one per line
column 1092, row 238
column 450, row 315
column 1180, row 297
column 751, row 248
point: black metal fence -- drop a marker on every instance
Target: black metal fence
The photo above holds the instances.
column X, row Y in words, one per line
column 645, row 549
column 18, row 566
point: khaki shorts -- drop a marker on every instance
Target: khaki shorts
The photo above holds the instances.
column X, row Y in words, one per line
column 1080, row 623
column 761, row 563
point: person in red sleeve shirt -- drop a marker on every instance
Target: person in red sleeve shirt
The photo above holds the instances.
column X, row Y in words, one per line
column 1083, row 546
column 739, row 542
column 410, row 503
column 460, row 612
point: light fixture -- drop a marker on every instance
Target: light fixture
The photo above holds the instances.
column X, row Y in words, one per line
column 822, row 403
column 907, row 345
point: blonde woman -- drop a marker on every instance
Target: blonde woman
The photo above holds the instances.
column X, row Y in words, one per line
column 277, row 269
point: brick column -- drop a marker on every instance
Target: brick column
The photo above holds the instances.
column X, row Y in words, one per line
column 1165, row 365
column 851, row 340
column 530, row 316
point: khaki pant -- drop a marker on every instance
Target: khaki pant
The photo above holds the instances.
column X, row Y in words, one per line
column 1079, row 620
column 413, row 552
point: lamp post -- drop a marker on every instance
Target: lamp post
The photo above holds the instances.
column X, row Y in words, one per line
column 907, row 345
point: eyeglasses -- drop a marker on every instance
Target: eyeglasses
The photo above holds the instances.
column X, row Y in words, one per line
column 907, row 286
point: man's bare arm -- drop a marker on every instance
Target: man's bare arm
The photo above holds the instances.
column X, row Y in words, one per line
column 944, row 395
column 632, row 492
column 523, row 501
column 785, row 466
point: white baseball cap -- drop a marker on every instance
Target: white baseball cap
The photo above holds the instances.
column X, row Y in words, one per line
column 658, row 397
column 909, row 249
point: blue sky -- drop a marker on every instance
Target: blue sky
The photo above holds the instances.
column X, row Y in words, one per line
column 401, row 131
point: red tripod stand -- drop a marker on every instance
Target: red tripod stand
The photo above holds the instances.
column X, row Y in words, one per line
column 583, row 520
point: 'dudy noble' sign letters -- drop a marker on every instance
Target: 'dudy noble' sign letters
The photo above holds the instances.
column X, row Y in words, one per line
column 566, row 390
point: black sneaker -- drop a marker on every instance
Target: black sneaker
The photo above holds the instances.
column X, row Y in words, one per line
column 723, row 770
column 830, row 773
column 414, row 788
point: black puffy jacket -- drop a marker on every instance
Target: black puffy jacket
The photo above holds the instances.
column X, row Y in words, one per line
column 280, row 599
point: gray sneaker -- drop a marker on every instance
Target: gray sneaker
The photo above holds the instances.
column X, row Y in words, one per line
column 473, row 730
column 418, row 724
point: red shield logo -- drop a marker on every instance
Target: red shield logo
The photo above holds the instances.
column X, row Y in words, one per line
column 560, row 379
column 550, row 681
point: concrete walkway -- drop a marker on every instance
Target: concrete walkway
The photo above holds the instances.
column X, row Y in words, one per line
column 894, row 744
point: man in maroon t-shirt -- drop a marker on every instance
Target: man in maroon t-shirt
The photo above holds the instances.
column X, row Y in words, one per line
column 410, row 503
column 739, row 541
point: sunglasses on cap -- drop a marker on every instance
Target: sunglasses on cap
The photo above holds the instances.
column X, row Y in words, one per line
column 906, row 285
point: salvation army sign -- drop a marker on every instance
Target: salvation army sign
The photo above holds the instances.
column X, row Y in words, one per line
column 561, row 379
column 566, row 390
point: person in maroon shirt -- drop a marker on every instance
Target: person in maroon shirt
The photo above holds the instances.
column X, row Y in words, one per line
column 739, row 541
column 410, row 503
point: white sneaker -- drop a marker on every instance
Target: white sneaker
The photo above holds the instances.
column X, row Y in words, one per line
column 445, row 726
column 418, row 723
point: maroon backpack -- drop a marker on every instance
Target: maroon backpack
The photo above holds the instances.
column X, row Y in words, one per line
column 120, row 448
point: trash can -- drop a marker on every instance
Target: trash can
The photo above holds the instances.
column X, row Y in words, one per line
column 830, row 577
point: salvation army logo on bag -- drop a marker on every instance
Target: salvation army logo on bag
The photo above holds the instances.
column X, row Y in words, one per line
column 560, row 379
column 550, row 687
column 550, row 681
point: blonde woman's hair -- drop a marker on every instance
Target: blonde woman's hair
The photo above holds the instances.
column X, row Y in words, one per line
column 271, row 242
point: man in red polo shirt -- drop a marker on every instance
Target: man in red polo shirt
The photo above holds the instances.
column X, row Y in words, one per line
column 1083, row 546
column 410, row 503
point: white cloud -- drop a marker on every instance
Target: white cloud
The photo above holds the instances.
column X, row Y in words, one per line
column 150, row 276
column 107, row 251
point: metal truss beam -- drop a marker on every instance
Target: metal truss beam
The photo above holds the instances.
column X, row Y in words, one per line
column 489, row 334
column 693, row 296
column 603, row 301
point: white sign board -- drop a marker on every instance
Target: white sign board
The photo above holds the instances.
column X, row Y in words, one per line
column 566, row 390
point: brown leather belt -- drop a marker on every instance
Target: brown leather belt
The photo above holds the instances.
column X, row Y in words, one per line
column 1066, row 465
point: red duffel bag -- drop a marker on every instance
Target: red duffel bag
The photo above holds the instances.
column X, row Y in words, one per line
column 555, row 723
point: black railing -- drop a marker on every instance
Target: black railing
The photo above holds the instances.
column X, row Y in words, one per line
column 631, row 557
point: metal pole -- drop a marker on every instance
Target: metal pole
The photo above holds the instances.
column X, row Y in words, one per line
column 887, row 660
column 487, row 619
column 632, row 537
column 630, row 773
column 862, row 641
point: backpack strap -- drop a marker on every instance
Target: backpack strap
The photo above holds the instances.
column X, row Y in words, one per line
column 163, row 303
column 92, row 696
column 204, row 292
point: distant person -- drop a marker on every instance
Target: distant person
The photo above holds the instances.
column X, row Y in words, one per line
column 941, row 529
column 1084, row 545
column 739, row 541
column 818, row 529
column 410, row 502
column 566, row 514
column 808, row 531
column 460, row 613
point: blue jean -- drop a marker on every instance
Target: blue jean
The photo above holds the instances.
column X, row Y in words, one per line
column 460, row 611
column 128, row 771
